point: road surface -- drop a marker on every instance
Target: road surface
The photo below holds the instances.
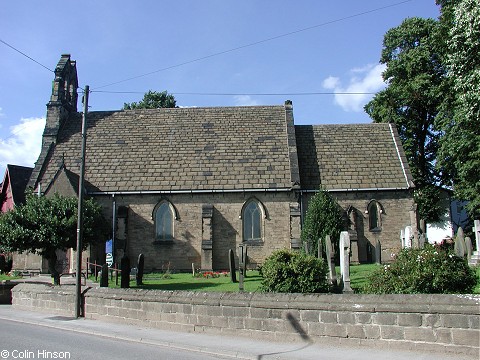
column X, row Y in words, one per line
column 32, row 335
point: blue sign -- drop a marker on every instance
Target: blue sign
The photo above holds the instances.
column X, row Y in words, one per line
column 108, row 246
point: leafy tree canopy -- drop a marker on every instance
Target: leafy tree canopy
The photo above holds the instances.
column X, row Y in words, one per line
column 416, row 86
column 460, row 146
column 45, row 224
column 153, row 100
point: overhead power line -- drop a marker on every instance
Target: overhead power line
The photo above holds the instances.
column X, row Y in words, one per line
column 28, row 57
column 244, row 94
column 254, row 43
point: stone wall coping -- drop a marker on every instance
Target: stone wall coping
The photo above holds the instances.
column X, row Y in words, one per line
column 417, row 303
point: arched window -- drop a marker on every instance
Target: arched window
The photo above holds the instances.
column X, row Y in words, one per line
column 252, row 216
column 164, row 215
column 374, row 211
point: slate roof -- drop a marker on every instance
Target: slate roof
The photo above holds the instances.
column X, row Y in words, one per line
column 18, row 179
column 180, row 149
column 351, row 157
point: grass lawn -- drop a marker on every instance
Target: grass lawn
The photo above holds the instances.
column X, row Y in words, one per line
column 185, row 281
column 6, row 277
column 359, row 275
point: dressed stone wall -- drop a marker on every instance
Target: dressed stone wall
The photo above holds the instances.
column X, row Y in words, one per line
column 190, row 227
column 397, row 206
column 437, row 323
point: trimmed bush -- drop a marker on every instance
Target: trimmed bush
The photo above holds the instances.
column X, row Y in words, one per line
column 431, row 270
column 288, row 271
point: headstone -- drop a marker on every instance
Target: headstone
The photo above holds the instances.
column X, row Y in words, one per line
column 242, row 263
column 231, row 263
column 3, row 264
column 245, row 261
column 378, row 252
column 421, row 241
column 477, row 234
column 319, row 249
column 402, row 238
column 459, row 246
column 468, row 247
column 408, row 236
column 475, row 258
column 332, row 275
column 345, row 261
column 125, row 272
column 306, row 247
column 140, row 269
column 104, row 276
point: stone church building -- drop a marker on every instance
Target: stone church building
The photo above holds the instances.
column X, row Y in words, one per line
column 185, row 185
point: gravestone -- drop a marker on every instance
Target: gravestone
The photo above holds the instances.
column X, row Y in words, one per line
column 332, row 275
column 421, row 241
column 475, row 259
column 459, row 246
column 306, row 248
column 402, row 238
column 320, row 249
column 345, row 261
column 468, row 247
column 125, row 274
column 242, row 264
column 140, row 269
column 378, row 252
column 231, row 263
column 3, row 264
column 104, row 276
column 408, row 236
column 476, row 230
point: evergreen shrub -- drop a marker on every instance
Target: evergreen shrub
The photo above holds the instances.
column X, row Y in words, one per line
column 289, row 271
column 431, row 270
column 323, row 217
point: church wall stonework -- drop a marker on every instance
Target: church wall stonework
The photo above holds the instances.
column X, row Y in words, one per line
column 186, row 247
column 396, row 216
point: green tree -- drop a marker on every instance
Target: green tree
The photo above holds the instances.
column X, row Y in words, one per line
column 324, row 217
column 153, row 100
column 415, row 75
column 44, row 224
column 460, row 146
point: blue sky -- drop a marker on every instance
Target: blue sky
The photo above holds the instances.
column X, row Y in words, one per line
column 114, row 40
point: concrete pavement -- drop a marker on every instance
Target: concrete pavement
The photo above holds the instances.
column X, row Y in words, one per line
column 224, row 346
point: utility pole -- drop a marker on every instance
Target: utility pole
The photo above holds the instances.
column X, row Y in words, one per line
column 81, row 190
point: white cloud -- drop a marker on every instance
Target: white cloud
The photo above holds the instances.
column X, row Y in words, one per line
column 22, row 146
column 244, row 100
column 331, row 82
column 367, row 79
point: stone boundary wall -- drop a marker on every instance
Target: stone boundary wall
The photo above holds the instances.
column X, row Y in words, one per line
column 42, row 297
column 438, row 323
